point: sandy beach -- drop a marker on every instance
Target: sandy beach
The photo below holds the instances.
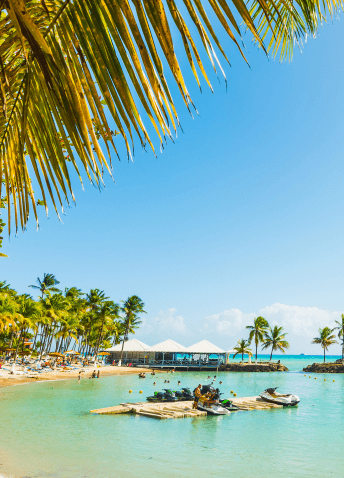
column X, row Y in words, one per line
column 7, row 379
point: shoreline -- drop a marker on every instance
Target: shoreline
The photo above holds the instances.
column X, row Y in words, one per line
column 8, row 380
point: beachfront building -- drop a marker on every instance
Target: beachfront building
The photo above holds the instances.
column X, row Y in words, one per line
column 134, row 352
column 205, row 354
column 169, row 354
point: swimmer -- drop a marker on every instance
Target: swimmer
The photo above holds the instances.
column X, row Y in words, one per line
column 154, row 383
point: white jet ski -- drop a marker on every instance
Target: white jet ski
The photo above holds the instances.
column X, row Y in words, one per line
column 287, row 400
column 213, row 409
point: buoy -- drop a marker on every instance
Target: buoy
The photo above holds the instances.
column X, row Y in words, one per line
column 232, row 391
column 324, row 379
column 235, row 394
column 334, row 380
column 305, row 375
column 315, row 378
column 309, row 376
column 130, row 391
column 140, row 391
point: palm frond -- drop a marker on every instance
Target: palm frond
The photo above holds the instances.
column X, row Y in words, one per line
column 63, row 61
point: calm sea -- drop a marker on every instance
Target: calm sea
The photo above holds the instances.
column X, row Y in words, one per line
column 46, row 429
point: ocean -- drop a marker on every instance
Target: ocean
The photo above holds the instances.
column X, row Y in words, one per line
column 47, row 431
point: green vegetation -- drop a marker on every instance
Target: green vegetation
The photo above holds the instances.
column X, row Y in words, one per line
column 63, row 62
column 242, row 348
column 340, row 328
column 325, row 339
column 257, row 332
column 275, row 338
column 59, row 321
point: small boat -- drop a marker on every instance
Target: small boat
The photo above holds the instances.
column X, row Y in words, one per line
column 285, row 399
column 213, row 409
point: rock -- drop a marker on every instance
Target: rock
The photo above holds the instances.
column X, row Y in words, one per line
column 330, row 367
column 260, row 367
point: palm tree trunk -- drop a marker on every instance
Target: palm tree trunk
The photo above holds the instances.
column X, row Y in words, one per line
column 256, row 352
column 126, row 333
column 18, row 344
column 324, row 355
column 271, row 353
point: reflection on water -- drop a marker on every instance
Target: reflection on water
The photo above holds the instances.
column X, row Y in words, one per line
column 46, row 430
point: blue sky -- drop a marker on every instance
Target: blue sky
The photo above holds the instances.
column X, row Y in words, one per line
column 242, row 216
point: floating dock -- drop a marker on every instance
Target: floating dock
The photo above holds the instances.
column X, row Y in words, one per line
column 162, row 410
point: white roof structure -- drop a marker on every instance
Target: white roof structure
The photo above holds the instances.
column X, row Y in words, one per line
column 132, row 345
column 168, row 346
column 205, row 347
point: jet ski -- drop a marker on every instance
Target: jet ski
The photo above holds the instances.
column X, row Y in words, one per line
column 213, row 408
column 225, row 403
column 167, row 396
column 287, row 400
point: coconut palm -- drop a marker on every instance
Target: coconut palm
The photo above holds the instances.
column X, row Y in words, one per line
column 340, row 328
column 131, row 309
column 27, row 314
column 46, row 284
column 325, row 339
column 62, row 62
column 275, row 338
column 8, row 311
column 242, row 348
column 107, row 312
column 257, row 332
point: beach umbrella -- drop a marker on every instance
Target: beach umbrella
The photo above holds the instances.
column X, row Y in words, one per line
column 55, row 354
column 72, row 352
column 104, row 353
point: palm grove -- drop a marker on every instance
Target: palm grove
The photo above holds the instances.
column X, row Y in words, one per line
column 262, row 333
column 59, row 321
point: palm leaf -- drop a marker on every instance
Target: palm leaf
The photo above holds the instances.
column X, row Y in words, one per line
column 61, row 62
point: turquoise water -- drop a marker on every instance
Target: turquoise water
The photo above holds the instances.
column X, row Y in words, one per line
column 46, row 430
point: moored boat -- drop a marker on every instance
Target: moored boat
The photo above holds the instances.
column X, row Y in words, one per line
column 285, row 399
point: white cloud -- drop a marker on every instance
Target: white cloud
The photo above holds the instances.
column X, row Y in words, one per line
column 168, row 322
column 301, row 321
column 228, row 322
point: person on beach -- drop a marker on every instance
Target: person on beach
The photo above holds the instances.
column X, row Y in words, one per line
column 98, row 374
column 79, row 376
column 197, row 393
column 153, row 373
column 94, row 374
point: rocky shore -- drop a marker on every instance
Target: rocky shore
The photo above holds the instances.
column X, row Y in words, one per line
column 252, row 367
column 330, row 367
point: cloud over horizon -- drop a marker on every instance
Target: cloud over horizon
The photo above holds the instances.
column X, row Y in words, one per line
column 296, row 320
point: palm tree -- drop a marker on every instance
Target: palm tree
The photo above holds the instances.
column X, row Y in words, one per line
column 275, row 339
column 340, row 328
column 47, row 284
column 242, row 348
column 257, row 332
column 8, row 311
column 63, row 61
column 325, row 339
column 131, row 308
column 28, row 311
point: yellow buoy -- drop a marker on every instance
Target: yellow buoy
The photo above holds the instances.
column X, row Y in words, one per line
column 315, row 378
column 324, row 379
column 334, row 380
column 232, row 391
column 235, row 394
column 130, row 391
column 305, row 375
column 140, row 391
